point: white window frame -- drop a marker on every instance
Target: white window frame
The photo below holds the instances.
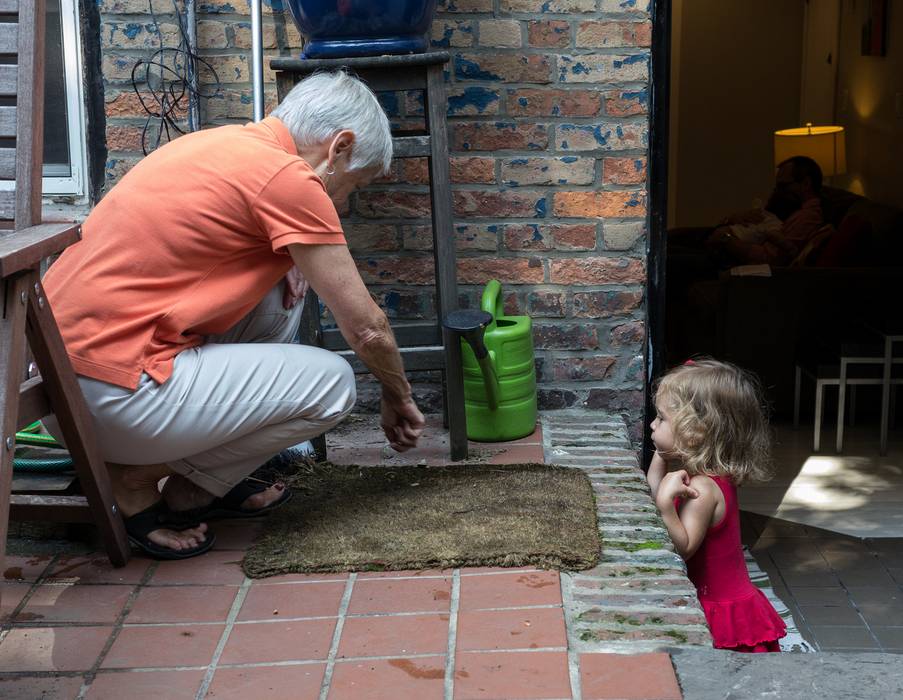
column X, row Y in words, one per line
column 75, row 183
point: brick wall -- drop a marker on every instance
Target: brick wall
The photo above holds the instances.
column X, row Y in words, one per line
column 549, row 129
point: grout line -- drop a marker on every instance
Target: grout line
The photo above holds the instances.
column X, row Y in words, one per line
column 230, row 622
column 336, row 636
column 454, row 606
column 117, row 628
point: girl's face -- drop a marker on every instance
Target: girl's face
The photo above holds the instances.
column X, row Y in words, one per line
column 662, row 436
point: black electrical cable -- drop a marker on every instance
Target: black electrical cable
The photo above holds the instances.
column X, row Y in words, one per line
column 171, row 91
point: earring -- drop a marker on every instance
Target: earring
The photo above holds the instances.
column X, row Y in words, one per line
column 330, row 172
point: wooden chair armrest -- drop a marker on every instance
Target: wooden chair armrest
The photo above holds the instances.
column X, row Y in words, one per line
column 25, row 248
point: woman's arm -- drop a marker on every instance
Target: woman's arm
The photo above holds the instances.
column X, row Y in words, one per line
column 656, row 472
column 688, row 527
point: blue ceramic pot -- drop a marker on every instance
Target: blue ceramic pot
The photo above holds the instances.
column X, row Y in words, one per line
column 345, row 28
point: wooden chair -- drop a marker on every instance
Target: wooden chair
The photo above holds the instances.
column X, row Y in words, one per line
column 24, row 243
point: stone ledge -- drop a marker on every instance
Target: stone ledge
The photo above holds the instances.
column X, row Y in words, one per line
column 638, row 598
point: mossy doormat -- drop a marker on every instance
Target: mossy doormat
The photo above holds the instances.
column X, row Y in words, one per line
column 351, row 518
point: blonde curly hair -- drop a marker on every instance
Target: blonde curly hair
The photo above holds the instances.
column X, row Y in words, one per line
column 718, row 420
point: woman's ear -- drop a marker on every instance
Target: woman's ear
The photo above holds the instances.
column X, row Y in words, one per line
column 341, row 145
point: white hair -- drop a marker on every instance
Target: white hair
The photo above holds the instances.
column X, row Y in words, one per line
column 325, row 103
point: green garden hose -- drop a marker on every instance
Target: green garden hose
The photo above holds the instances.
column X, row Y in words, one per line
column 31, row 437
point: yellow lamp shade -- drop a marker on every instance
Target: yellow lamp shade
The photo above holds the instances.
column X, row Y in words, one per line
column 825, row 145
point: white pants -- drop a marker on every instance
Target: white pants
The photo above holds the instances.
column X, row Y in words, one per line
column 230, row 404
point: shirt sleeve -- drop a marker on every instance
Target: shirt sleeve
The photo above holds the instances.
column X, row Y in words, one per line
column 294, row 207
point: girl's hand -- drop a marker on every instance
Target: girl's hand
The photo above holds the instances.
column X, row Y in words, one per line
column 676, row 485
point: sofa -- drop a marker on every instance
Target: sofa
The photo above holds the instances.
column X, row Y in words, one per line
column 768, row 318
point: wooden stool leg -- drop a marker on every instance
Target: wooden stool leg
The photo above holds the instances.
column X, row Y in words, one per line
column 76, row 423
column 444, row 247
column 12, row 371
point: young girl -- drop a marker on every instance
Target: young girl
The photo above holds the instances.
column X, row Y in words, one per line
column 711, row 430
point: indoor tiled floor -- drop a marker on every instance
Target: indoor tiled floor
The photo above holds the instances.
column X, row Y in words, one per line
column 73, row 627
column 845, row 592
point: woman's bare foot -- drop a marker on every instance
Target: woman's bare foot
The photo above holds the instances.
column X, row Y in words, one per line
column 135, row 489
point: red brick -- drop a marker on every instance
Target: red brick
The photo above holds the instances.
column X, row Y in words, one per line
column 605, row 136
column 472, row 170
column 447, row 33
column 127, row 104
column 554, row 399
column 405, row 205
column 497, row 136
column 600, row 204
column 242, row 32
column 532, row 102
column 574, row 236
column 622, row 236
column 508, row 68
column 630, row 333
column 138, row 35
column 597, row 270
column 362, row 237
column 123, row 137
column 619, row 7
column 410, row 171
column 390, row 270
column 556, row 6
column 615, row 400
column 598, row 35
column 549, row 33
column 606, row 303
column 622, row 103
column 527, row 237
column 578, row 369
column 565, row 337
column 464, row 6
column 597, row 68
column 624, row 171
column 467, row 237
column 549, row 304
column 498, row 204
column 565, row 170
column 506, row 270
column 501, row 33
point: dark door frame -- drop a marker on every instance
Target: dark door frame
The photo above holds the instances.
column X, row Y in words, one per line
column 658, row 207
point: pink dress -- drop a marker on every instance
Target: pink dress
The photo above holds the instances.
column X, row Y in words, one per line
column 739, row 615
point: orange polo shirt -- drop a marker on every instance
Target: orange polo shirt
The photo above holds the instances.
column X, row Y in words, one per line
column 185, row 245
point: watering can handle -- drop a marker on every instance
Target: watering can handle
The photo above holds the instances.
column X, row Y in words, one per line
column 492, row 301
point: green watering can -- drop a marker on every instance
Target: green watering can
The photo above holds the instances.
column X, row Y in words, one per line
column 499, row 372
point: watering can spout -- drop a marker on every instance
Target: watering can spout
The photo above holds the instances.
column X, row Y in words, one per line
column 470, row 324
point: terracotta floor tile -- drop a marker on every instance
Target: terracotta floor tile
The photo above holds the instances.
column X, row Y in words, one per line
column 145, row 685
column 265, row 602
column 518, row 454
column 96, row 568
column 18, row 568
column 522, row 675
column 510, row 590
column 11, row 595
column 300, row 682
column 389, row 679
column 43, row 687
column 168, row 645
column 628, row 677
column 52, row 648
column 301, row 578
column 400, row 595
column 208, row 569
column 68, row 602
column 260, row 642
column 235, row 534
column 394, row 635
column 511, row 629
column 421, row 573
column 183, row 604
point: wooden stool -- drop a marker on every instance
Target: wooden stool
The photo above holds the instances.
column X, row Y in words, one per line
column 24, row 243
column 424, row 346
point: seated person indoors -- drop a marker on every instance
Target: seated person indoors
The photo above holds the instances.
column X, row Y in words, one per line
column 773, row 235
column 776, row 234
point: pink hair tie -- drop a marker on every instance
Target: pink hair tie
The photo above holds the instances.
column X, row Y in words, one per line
column 690, row 362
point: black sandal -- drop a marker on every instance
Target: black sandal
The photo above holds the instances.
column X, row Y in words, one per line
column 229, row 506
column 140, row 525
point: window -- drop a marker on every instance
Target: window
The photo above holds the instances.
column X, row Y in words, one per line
column 65, row 171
